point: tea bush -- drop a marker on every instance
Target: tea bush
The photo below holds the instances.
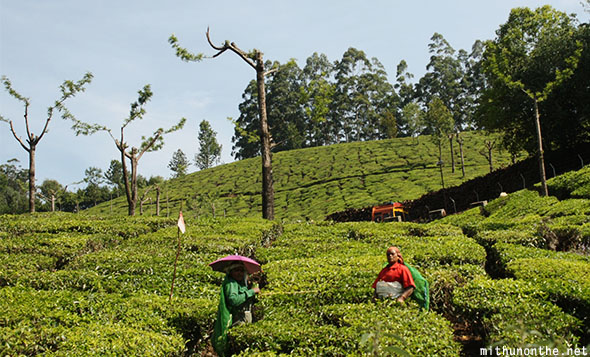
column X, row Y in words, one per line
column 508, row 307
column 349, row 329
column 566, row 281
column 67, row 322
column 574, row 184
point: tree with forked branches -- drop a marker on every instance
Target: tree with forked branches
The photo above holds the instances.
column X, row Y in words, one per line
column 255, row 59
column 133, row 154
column 68, row 89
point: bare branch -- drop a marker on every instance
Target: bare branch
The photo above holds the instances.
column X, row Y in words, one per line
column 231, row 46
column 17, row 138
column 212, row 45
column 44, row 130
column 27, row 121
column 271, row 71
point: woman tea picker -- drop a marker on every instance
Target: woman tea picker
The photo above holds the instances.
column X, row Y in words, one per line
column 235, row 302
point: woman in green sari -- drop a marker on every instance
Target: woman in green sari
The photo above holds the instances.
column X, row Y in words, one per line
column 235, row 302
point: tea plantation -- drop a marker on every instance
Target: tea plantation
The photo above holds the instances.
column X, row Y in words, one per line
column 515, row 273
column 315, row 182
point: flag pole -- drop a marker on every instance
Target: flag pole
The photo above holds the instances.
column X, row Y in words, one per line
column 180, row 227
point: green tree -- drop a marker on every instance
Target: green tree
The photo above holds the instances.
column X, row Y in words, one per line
column 413, row 117
column 362, row 98
column 246, row 136
column 114, row 176
column 94, row 192
column 407, row 95
column 534, row 53
column 209, row 149
column 133, row 154
column 51, row 191
column 68, row 89
column 439, row 120
column 316, row 95
column 178, row 164
column 286, row 118
column 13, row 187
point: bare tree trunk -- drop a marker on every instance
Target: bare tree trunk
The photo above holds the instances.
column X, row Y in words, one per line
column 258, row 64
column 490, row 158
column 267, row 182
column 157, row 200
column 440, row 164
column 52, row 202
column 32, row 150
column 540, row 156
column 460, row 141
column 133, row 201
column 452, row 153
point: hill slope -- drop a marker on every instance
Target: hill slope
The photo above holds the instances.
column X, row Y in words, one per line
column 314, row 182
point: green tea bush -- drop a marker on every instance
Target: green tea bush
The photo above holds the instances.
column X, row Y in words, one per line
column 507, row 307
column 468, row 220
column 574, row 184
column 566, row 281
column 76, row 323
column 519, row 204
column 348, row 329
column 444, row 280
column 521, row 237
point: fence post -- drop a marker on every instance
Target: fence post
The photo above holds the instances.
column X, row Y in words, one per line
column 553, row 168
column 454, row 205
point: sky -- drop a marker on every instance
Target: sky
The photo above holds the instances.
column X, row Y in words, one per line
column 124, row 45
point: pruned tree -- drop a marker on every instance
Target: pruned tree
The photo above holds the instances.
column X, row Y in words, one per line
column 133, row 154
column 68, row 89
column 255, row 59
column 488, row 149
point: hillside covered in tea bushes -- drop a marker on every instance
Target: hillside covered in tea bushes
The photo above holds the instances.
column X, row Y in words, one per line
column 315, row 182
column 514, row 273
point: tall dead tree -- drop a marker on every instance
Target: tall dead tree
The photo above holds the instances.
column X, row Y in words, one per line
column 68, row 89
column 255, row 59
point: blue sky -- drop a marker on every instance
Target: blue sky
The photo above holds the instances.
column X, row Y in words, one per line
column 124, row 44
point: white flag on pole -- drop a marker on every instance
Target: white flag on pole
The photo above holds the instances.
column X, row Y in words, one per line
column 181, row 225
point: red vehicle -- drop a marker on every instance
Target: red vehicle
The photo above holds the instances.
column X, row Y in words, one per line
column 393, row 211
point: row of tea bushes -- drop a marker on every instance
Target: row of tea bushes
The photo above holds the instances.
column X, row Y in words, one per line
column 515, row 313
column 57, row 222
column 69, row 286
column 381, row 328
column 65, row 322
column 318, row 300
column 564, row 276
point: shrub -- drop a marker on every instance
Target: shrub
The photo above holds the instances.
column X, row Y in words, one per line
column 505, row 306
column 342, row 329
column 520, row 237
column 77, row 323
column 571, row 184
column 566, row 282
